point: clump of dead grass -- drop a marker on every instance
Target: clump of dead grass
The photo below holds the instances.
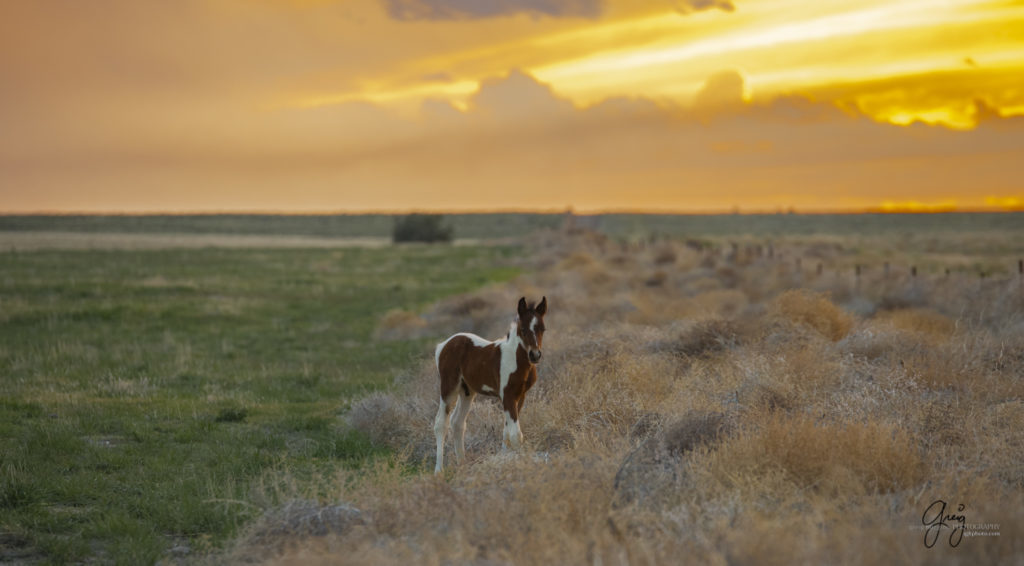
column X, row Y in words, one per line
column 834, row 458
column 704, row 338
column 651, row 471
column 922, row 321
column 665, row 255
column 283, row 527
column 815, row 311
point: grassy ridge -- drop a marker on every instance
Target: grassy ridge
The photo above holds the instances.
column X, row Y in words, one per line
column 144, row 391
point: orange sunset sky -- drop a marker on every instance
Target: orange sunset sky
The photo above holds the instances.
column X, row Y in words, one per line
column 469, row 105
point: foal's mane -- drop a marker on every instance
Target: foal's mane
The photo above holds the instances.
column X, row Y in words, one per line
column 513, row 327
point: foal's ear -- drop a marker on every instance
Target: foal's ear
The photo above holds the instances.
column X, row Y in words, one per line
column 522, row 306
column 542, row 307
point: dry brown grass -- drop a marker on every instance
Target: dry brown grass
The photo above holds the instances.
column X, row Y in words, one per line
column 836, row 459
column 815, row 311
column 922, row 321
column 730, row 414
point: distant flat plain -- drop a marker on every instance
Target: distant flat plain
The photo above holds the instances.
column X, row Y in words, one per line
column 505, row 225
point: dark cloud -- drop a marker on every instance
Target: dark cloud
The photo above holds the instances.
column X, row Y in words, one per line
column 478, row 9
column 690, row 6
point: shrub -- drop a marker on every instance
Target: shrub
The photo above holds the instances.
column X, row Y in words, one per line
column 421, row 228
column 922, row 321
column 705, row 338
column 850, row 457
column 815, row 311
column 652, row 469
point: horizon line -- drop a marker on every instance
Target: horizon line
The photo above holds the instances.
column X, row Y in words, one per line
column 790, row 211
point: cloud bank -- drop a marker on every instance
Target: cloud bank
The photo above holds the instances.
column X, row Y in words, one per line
column 518, row 145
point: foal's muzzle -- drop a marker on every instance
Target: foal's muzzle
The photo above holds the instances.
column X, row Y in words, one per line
column 534, row 356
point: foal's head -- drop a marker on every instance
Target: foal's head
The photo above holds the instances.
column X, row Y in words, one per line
column 531, row 326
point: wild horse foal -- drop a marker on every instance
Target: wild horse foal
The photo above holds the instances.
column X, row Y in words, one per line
column 506, row 368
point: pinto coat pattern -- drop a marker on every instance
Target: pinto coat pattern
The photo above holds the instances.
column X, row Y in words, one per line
column 469, row 365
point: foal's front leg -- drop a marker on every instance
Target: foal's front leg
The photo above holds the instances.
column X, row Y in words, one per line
column 520, row 400
column 511, row 435
column 531, row 378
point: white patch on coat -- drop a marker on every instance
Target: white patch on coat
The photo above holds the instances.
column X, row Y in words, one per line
column 507, row 346
column 477, row 341
column 508, row 349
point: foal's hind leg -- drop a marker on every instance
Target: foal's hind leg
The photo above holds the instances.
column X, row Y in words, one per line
column 459, row 424
column 441, row 428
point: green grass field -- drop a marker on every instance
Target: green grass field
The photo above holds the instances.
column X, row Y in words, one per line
column 474, row 226
column 143, row 392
